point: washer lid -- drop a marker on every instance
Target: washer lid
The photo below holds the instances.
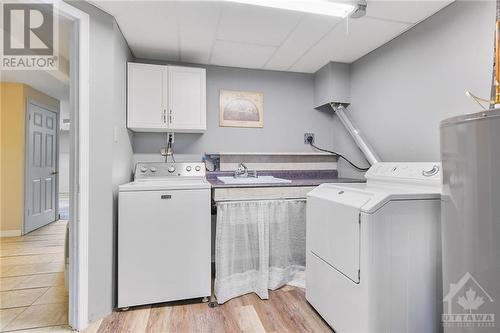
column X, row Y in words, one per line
column 174, row 184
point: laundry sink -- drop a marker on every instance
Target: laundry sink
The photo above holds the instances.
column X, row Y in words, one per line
column 253, row 180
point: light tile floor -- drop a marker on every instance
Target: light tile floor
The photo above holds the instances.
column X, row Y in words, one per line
column 33, row 297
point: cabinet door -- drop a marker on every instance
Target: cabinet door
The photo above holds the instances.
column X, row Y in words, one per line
column 146, row 106
column 187, row 99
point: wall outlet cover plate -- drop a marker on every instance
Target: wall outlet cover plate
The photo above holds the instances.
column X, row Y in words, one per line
column 307, row 136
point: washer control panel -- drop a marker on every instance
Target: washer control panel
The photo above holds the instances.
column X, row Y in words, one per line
column 155, row 170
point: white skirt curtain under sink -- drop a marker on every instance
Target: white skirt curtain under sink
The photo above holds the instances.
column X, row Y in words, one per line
column 260, row 245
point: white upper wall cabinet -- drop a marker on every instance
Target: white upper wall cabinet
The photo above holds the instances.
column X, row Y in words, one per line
column 187, row 99
column 146, row 97
column 166, row 98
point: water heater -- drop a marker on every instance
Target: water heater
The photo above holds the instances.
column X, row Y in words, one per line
column 470, row 150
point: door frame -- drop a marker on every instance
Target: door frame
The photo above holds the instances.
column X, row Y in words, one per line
column 79, row 163
column 27, row 165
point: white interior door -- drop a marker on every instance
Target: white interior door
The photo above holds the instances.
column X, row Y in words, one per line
column 42, row 167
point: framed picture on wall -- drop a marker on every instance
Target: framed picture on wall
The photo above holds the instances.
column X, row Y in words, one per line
column 241, row 109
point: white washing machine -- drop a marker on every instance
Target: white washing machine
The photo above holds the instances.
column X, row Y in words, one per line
column 164, row 234
column 374, row 250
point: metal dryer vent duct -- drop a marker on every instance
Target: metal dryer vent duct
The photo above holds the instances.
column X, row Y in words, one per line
column 364, row 146
column 360, row 10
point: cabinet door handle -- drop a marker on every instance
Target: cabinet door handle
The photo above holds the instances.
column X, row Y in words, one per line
column 164, row 116
column 170, row 117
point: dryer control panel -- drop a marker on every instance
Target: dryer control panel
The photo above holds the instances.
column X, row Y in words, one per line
column 423, row 173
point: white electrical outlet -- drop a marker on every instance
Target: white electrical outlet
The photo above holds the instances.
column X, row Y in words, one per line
column 307, row 136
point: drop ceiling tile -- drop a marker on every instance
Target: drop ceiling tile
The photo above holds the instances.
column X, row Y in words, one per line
column 240, row 55
column 349, row 41
column 256, row 24
column 197, row 29
column 308, row 32
column 187, row 31
column 150, row 27
column 405, row 11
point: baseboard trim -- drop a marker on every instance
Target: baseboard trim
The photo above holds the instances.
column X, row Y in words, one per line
column 10, row 233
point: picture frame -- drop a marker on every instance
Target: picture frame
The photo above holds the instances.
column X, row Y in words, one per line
column 241, row 109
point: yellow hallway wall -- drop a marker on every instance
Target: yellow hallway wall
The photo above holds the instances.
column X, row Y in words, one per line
column 12, row 139
column 13, row 99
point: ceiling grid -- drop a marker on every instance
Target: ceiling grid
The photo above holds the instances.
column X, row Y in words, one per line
column 232, row 34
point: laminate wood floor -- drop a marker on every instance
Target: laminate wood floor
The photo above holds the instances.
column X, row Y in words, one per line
column 33, row 299
column 286, row 311
column 32, row 291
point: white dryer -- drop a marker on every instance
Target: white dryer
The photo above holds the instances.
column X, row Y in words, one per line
column 374, row 250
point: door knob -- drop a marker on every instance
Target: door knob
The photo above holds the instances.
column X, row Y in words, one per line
column 54, row 173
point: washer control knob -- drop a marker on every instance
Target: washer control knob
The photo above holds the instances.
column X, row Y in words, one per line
column 171, row 169
column 431, row 172
column 153, row 169
column 188, row 168
column 144, row 169
column 197, row 168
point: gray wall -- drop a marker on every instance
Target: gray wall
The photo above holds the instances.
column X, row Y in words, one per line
column 401, row 91
column 122, row 164
column 110, row 161
column 288, row 113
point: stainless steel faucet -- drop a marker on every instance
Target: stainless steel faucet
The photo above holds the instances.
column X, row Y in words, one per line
column 242, row 171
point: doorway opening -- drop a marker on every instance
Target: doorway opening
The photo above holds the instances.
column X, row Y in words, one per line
column 44, row 186
column 34, row 257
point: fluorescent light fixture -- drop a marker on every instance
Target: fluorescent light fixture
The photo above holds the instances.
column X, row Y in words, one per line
column 323, row 7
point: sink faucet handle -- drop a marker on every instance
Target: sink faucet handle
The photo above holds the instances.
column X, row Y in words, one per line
column 242, row 170
column 242, row 167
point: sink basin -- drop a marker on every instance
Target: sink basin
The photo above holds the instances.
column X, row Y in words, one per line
column 254, row 180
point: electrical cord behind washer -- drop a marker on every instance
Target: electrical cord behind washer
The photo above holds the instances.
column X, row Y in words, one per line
column 170, row 148
column 337, row 154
